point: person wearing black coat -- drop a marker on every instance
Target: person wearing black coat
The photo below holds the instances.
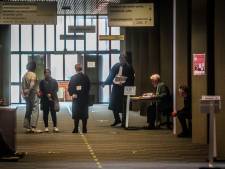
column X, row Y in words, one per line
column 121, row 75
column 48, row 92
column 79, row 87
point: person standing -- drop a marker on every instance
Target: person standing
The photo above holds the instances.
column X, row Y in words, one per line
column 78, row 88
column 30, row 95
column 48, row 91
column 121, row 75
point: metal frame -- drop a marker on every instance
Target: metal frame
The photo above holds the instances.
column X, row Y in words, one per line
column 64, row 52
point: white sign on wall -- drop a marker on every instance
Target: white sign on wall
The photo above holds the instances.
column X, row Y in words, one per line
column 28, row 12
column 131, row 15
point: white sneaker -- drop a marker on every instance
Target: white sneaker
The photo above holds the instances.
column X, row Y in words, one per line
column 28, row 130
column 55, row 129
column 46, row 129
column 34, row 130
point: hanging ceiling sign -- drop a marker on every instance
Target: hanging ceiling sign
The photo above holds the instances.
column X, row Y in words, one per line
column 28, row 12
column 72, row 37
column 81, row 29
column 111, row 37
column 131, row 15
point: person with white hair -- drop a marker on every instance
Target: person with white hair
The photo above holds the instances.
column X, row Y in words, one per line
column 163, row 103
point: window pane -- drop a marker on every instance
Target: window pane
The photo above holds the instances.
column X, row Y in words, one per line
column 15, row 68
column 15, row 94
column 38, row 37
column 105, row 67
column 70, row 61
column 114, row 59
column 79, row 43
column 14, row 37
column 103, row 30
column 24, row 61
column 50, row 38
column 26, row 38
column 57, row 66
column 59, row 31
column 69, row 22
column 114, row 43
column 104, row 94
column 91, row 39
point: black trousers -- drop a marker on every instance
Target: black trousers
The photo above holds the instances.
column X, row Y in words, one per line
column 151, row 115
column 182, row 116
column 84, row 123
column 123, row 112
column 49, row 106
column 5, row 149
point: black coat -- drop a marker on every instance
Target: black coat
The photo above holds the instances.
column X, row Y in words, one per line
column 46, row 87
column 79, row 85
column 116, row 98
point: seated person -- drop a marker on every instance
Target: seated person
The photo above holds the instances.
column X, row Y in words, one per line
column 185, row 112
column 6, row 152
column 162, row 104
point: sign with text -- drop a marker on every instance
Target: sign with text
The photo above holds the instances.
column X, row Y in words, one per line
column 111, row 37
column 199, row 64
column 28, row 12
column 72, row 37
column 81, row 29
column 130, row 90
column 131, row 15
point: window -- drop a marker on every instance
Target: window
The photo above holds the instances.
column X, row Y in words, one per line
column 39, row 38
column 69, row 22
column 14, row 37
column 56, row 62
column 104, row 92
column 15, row 68
column 70, row 61
column 115, row 44
column 15, row 93
column 59, row 31
column 103, row 29
column 91, row 39
column 79, row 43
column 50, row 38
column 26, row 38
column 24, row 61
column 114, row 59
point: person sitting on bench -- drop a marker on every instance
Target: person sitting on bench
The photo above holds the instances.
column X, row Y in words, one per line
column 185, row 112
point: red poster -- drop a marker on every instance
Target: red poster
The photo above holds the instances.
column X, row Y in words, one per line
column 199, row 64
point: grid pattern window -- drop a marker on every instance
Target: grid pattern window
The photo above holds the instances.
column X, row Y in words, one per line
column 91, row 38
column 60, row 55
column 14, row 37
column 103, row 29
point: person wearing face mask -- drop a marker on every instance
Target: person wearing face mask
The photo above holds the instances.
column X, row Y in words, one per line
column 48, row 92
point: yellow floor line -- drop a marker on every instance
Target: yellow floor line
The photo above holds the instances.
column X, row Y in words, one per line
column 91, row 151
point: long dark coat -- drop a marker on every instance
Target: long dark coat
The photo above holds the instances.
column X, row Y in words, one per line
column 79, row 85
column 116, row 98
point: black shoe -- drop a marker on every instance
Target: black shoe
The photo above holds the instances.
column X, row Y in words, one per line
column 116, row 123
column 149, row 127
column 84, row 131
column 184, row 135
column 75, row 131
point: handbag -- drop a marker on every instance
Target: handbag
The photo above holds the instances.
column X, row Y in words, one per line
column 56, row 105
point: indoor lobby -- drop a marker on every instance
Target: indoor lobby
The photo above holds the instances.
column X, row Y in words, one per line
column 180, row 42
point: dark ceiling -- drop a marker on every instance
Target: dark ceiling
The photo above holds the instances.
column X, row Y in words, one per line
column 82, row 6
